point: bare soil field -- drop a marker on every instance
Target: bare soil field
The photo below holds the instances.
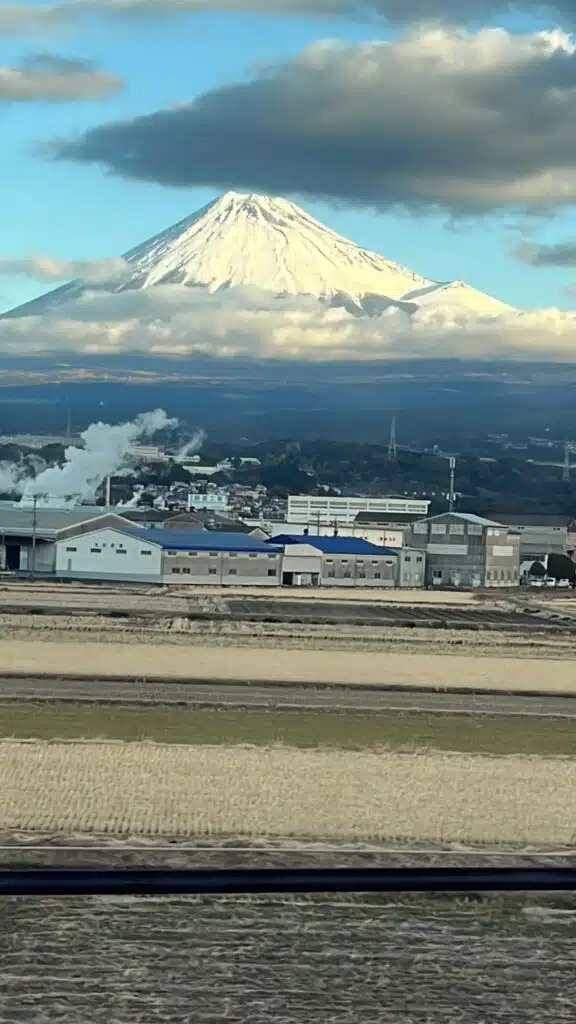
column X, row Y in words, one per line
column 291, row 666
column 270, row 960
column 151, row 789
column 52, row 592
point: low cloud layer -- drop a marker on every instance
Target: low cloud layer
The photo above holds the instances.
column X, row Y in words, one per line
column 26, row 18
column 557, row 254
column 44, row 268
column 441, row 120
column 179, row 321
column 56, row 80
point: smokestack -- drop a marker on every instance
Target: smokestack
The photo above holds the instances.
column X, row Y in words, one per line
column 108, row 491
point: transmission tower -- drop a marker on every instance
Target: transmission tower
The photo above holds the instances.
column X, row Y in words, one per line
column 566, row 466
column 392, row 449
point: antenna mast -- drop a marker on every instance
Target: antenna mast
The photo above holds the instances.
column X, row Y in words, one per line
column 392, row 449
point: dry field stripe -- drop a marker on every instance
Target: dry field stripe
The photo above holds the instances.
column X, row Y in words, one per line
column 349, row 668
column 148, row 789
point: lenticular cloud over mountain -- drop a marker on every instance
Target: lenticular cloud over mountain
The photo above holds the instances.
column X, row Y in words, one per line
column 253, row 276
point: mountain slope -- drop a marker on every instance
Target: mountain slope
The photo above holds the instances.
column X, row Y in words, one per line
column 251, row 241
column 456, row 297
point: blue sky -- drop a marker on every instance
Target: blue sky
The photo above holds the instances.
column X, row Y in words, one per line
column 72, row 211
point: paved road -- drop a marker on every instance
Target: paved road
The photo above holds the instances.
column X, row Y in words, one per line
column 270, row 697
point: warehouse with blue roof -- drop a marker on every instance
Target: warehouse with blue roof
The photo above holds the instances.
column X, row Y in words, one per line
column 347, row 562
column 165, row 556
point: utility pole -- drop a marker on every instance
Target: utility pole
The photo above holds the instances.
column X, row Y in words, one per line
column 32, row 568
column 566, row 467
column 392, row 449
column 451, row 494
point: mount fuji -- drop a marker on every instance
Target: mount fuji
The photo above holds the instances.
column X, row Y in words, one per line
column 256, row 242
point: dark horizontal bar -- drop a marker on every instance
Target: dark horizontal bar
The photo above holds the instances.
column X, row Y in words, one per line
column 157, row 881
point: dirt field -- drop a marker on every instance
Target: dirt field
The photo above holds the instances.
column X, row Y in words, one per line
column 338, row 667
column 151, row 789
column 53, row 592
column 288, row 960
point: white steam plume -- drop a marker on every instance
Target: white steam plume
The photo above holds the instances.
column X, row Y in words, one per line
column 134, row 501
column 192, row 446
column 105, row 448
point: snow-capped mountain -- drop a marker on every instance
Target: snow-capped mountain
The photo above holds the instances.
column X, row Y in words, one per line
column 270, row 244
column 458, row 297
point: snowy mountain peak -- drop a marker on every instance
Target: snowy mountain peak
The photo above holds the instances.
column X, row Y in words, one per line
column 252, row 241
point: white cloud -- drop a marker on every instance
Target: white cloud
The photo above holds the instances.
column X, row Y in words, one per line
column 45, row 268
column 53, row 79
column 176, row 320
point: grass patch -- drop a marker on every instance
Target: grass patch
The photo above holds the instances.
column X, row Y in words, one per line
column 466, row 734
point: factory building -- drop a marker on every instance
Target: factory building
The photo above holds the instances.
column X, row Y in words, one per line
column 316, row 509
column 28, row 533
column 347, row 562
column 165, row 556
column 465, row 550
column 541, row 535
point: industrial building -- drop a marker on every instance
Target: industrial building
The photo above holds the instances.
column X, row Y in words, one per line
column 541, row 535
column 465, row 550
column 28, row 533
column 315, row 509
column 347, row 562
column 165, row 556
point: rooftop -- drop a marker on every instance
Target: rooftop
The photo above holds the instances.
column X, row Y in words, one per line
column 45, row 522
column 468, row 517
column 387, row 518
column 335, row 545
column 199, row 541
column 520, row 519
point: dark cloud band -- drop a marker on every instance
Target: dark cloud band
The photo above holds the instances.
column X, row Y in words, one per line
column 442, row 120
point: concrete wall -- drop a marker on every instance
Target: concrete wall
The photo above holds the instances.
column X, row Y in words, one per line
column 108, row 554
column 411, row 568
column 502, row 559
column 219, row 568
column 359, row 570
column 537, row 542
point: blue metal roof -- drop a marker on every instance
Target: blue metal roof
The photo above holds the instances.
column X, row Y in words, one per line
column 201, row 540
column 335, row 545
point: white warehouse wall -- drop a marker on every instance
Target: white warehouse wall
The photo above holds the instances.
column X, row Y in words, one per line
column 108, row 554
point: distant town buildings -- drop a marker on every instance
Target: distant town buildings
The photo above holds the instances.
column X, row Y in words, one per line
column 209, row 501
